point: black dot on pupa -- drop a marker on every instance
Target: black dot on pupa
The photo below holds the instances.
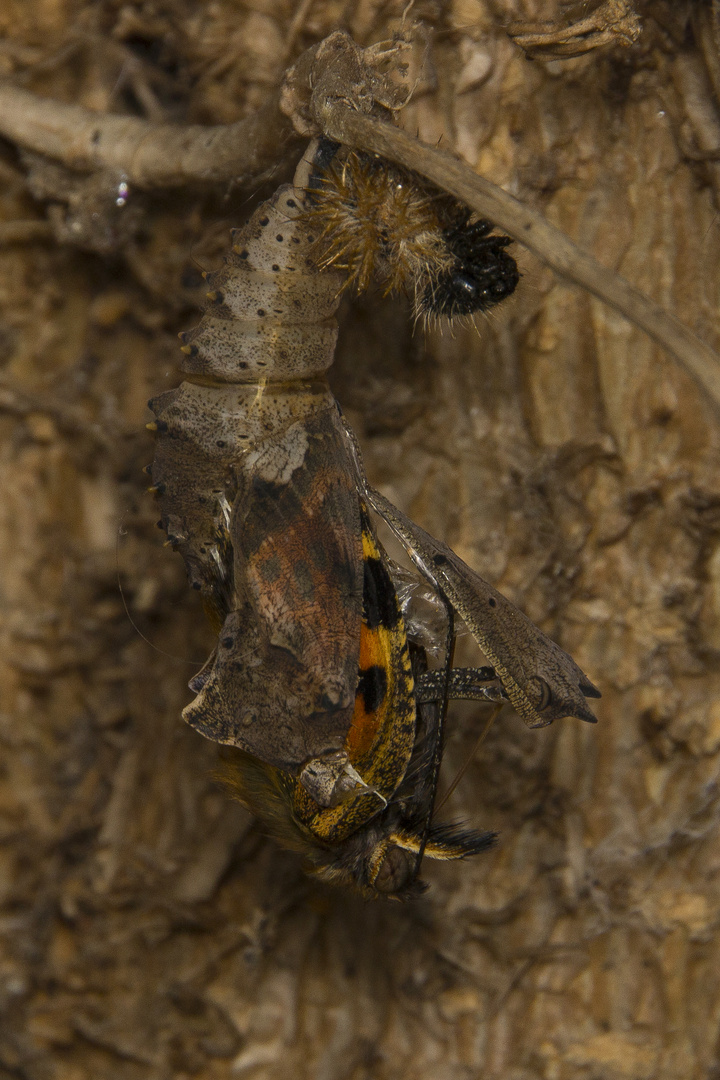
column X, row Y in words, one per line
column 439, row 560
column 264, row 221
column 492, row 602
column 279, row 238
column 260, row 312
column 227, row 642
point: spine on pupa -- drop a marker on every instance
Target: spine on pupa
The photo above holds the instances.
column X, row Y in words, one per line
column 256, row 365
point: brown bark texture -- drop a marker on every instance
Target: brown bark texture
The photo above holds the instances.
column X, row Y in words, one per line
column 147, row 928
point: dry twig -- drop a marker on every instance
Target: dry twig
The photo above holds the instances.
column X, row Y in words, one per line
column 330, row 104
column 533, row 231
column 613, row 23
column 345, row 92
column 148, row 154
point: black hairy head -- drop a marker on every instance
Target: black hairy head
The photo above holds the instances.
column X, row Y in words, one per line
column 483, row 273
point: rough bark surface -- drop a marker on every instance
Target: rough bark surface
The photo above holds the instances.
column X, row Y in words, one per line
column 147, row 929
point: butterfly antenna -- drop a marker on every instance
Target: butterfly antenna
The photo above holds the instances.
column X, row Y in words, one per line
column 122, row 531
column 464, row 768
column 437, row 750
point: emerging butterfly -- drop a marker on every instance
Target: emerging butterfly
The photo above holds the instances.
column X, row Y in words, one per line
column 336, row 724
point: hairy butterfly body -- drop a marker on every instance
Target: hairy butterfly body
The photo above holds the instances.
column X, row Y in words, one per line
column 378, row 222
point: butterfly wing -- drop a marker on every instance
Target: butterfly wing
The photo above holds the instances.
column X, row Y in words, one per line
column 541, row 680
column 281, row 685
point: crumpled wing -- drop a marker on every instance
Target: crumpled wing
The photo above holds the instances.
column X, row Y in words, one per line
column 541, row 680
column 281, row 684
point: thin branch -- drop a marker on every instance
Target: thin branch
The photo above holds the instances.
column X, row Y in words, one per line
column 614, row 22
column 529, row 228
column 297, row 24
column 316, row 91
column 148, row 154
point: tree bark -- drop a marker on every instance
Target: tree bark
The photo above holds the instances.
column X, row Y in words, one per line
column 147, row 928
